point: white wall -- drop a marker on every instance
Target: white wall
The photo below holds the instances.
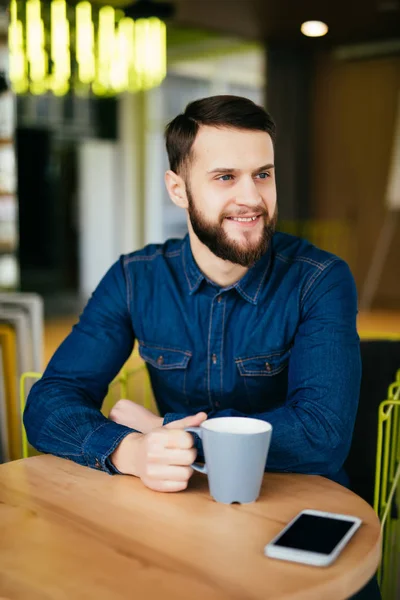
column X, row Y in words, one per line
column 393, row 187
column 110, row 197
column 129, row 203
column 98, row 189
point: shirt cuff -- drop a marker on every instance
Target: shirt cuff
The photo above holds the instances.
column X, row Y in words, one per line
column 101, row 443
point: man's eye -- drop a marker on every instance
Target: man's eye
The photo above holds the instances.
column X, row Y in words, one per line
column 225, row 178
column 263, row 175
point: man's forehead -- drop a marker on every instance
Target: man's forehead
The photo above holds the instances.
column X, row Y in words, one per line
column 207, row 134
column 238, row 147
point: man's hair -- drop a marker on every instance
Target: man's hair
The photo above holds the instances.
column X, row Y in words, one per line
column 215, row 111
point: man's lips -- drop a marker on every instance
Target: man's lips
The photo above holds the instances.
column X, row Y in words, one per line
column 244, row 220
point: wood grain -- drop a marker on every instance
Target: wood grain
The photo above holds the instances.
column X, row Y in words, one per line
column 71, row 532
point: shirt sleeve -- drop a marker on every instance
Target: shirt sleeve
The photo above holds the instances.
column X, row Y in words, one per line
column 312, row 431
column 62, row 414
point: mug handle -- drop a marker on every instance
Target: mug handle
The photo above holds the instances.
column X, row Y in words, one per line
column 197, row 466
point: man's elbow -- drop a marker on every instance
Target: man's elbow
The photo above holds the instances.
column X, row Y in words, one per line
column 30, row 429
column 33, row 418
column 332, row 458
column 323, row 455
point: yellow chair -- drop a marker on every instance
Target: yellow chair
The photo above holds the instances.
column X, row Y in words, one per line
column 132, row 384
column 8, row 341
column 387, row 489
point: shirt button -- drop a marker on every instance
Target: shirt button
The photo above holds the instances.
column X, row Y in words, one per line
column 217, row 404
column 214, row 359
column 219, row 299
column 268, row 367
column 97, row 464
column 160, row 360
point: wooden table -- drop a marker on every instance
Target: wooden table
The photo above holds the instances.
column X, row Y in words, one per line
column 69, row 532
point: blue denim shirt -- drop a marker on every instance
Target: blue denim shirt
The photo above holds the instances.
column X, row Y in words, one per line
column 280, row 344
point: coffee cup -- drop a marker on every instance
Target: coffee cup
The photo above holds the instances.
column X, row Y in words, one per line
column 235, row 452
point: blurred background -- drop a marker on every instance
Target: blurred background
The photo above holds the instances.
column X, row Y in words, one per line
column 82, row 160
column 86, row 89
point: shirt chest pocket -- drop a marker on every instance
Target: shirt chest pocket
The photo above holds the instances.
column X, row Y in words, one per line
column 264, row 378
column 167, row 368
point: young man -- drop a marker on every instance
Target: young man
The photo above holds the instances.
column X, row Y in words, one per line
column 232, row 320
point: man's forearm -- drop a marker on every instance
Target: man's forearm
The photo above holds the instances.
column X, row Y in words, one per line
column 63, row 425
column 301, row 441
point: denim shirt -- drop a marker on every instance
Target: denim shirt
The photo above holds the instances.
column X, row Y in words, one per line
column 280, row 345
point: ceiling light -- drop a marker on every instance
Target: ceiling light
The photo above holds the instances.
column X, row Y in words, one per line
column 58, row 45
column 314, row 28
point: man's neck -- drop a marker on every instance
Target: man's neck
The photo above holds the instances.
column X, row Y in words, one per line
column 221, row 272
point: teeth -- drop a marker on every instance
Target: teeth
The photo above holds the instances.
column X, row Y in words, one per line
column 243, row 219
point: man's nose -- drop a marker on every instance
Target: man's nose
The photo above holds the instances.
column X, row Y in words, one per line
column 247, row 193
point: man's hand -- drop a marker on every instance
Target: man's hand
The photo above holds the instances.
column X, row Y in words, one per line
column 135, row 416
column 162, row 457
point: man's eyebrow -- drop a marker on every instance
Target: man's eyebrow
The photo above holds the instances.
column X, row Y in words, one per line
column 232, row 170
column 265, row 168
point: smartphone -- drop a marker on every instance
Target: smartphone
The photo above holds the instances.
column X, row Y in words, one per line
column 313, row 537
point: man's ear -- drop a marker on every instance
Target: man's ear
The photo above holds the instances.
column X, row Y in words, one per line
column 176, row 189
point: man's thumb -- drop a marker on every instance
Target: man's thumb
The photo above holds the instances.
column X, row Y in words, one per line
column 192, row 421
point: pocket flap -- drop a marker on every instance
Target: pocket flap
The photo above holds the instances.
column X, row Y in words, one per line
column 263, row 365
column 164, row 358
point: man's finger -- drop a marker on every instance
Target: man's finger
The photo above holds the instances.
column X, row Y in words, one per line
column 164, row 485
column 177, row 438
column 172, row 456
column 191, row 421
column 168, row 472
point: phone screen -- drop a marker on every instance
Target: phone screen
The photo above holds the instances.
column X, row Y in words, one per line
column 313, row 533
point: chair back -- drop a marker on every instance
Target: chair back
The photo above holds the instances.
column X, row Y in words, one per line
column 373, row 464
column 380, row 362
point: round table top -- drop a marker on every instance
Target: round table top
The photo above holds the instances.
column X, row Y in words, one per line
column 68, row 531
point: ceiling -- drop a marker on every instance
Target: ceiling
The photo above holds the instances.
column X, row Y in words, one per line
column 349, row 21
column 279, row 20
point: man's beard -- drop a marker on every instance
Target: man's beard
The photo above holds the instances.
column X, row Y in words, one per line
column 214, row 236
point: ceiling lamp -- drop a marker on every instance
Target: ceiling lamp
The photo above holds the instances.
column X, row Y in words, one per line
column 314, row 28
column 56, row 45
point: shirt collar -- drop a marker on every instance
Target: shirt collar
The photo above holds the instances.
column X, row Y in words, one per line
column 193, row 274
column 248, row 287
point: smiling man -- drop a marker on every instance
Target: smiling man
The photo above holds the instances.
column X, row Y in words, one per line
column 233, row 320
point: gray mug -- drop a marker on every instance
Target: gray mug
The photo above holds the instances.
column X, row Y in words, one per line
column 235, row 451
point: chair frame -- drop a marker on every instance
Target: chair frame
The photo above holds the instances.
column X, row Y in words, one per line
column 387, row 488
column 8, row 340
